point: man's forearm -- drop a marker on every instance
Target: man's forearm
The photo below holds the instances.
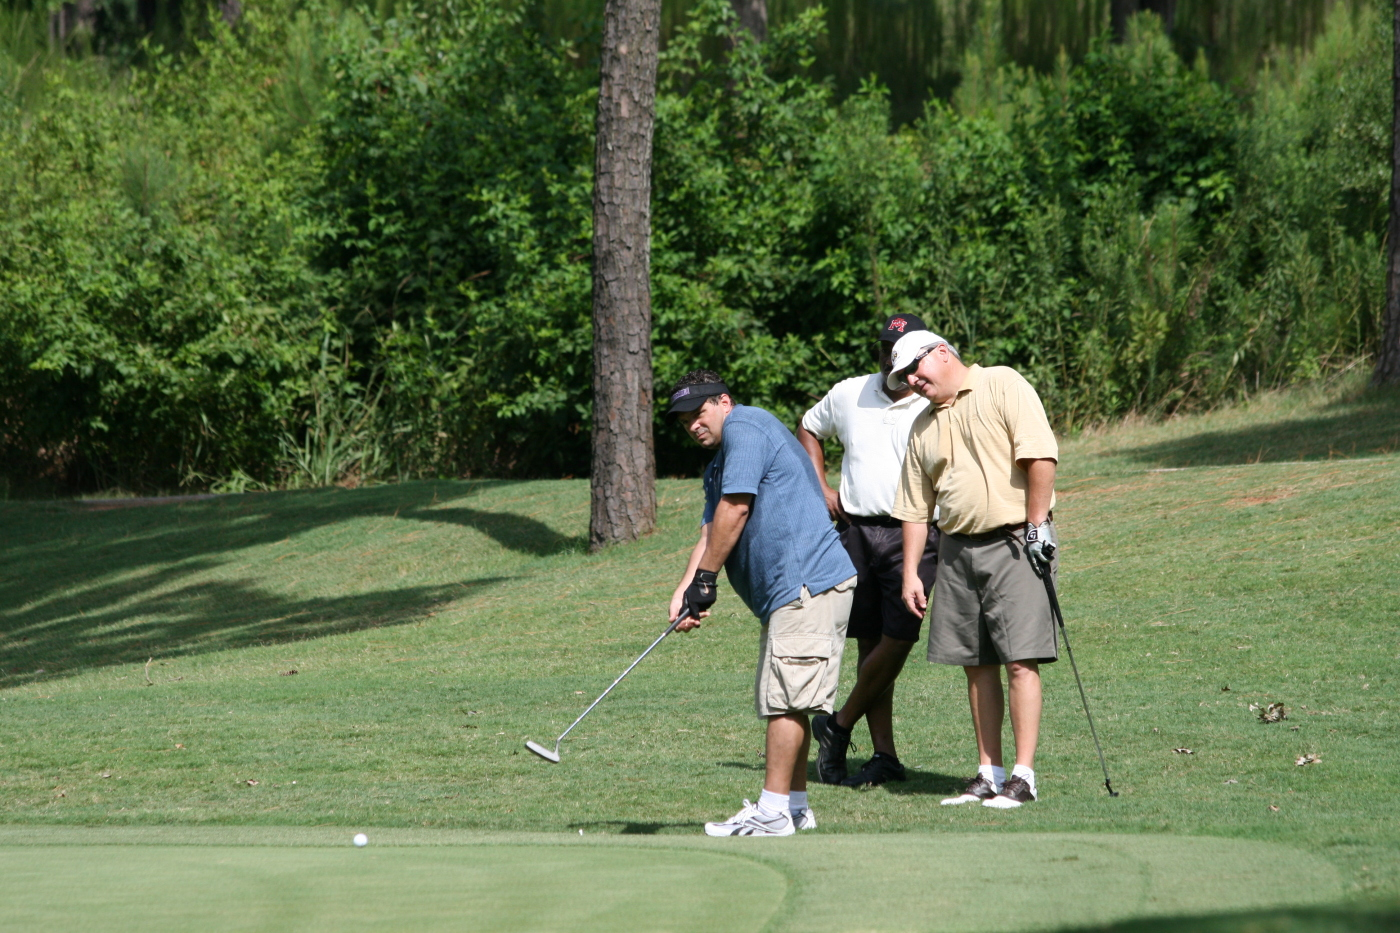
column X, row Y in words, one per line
column 731, row 515
column 813, row 445
column 1040, row 490
column 697, row 554
column 915, row 540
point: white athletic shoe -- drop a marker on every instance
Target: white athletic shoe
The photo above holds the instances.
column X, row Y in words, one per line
column 750, row 821
column 804, row 819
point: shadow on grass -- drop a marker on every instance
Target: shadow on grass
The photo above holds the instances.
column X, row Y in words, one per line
column 625, row 828
column 1300, row 920
column 749, row 767
column 926, row 782
column 81, row 590
column 1368, row 426
column 58, row 638
column 513, row 532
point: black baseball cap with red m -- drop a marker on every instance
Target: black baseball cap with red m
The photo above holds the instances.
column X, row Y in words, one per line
column 899, row 325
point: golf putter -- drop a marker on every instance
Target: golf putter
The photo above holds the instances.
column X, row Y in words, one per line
column 1060, row 618
column 553, row 756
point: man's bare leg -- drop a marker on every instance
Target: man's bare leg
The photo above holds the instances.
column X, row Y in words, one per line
column 988, row 702
column 788, row 739
column 1023, row 678
column 880, row 664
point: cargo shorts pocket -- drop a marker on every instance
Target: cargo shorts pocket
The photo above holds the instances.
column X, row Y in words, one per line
column 804, row 650
column 798, row 683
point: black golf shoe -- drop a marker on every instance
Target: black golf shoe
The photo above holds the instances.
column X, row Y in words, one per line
column 832, row 746
column 876, row 771
column 977, row 790
column 1016, row 791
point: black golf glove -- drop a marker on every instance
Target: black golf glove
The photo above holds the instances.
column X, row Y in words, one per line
column 1040, row 546
column 702, row 592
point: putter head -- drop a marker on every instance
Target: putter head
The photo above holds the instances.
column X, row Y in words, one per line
column 543, row 752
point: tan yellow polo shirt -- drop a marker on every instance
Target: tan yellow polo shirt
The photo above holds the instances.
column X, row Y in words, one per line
column 962, row 455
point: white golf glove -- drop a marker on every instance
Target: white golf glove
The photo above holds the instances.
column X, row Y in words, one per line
column 1040, row 546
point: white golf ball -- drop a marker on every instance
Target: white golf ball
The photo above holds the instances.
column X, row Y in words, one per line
column 361, row 839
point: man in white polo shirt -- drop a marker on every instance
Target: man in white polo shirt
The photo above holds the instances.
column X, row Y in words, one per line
column 872, row 421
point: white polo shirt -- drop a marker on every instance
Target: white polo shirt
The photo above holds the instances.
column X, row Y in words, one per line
column 874, row 430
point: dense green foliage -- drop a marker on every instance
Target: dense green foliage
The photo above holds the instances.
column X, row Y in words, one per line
column 325, row 246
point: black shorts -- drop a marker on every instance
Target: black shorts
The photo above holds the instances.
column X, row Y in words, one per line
column 878, row 553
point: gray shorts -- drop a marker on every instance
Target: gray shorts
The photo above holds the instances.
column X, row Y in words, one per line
column 799, row 653
column 989, row 606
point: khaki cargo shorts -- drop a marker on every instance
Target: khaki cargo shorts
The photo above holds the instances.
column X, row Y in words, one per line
column 799, row 653
column 989, row 606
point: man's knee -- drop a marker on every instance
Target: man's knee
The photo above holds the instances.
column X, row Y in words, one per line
column 1023, row 670
column 896, row 647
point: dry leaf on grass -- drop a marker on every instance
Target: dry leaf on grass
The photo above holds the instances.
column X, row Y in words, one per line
column 251, row 782
column 288, row 673
column 1183, row 751
column 1307, row 760
column 1273, row 809
column 1274, row 712
column 1232, row 781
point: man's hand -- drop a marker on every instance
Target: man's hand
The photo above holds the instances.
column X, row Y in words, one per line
column 703, row 591
column 1040, row 546
column 912, row 593
column 833, row 504
column 914, row 537
column 678, row 605
column 696, row 599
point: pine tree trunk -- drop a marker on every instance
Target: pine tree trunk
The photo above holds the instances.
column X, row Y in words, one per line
column 753, row 16
column 1119, row 12
column 1388, row 360
column 624, row 460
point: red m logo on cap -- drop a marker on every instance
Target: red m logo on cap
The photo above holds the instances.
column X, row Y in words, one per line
column 898, row 324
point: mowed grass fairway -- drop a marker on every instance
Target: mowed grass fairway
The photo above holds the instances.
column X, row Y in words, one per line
column 1244, row 557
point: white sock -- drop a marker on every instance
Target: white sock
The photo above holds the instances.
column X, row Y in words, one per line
column 771, row 804
column 994, row 773
column 797, row 801
column 1021, row 771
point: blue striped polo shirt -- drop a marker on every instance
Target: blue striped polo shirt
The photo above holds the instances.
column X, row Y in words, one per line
column 788, row 542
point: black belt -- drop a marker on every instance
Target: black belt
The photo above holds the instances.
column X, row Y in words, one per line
column 1001, row 532
column 878, row 521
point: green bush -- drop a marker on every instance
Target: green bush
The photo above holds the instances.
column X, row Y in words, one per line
column 329, row 247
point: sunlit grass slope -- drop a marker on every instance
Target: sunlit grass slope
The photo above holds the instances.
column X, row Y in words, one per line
column 377, row 657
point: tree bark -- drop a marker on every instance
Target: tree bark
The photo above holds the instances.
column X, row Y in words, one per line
column 1388, row 359
column 1119, row 12
column 753, row 16
column 623, row 480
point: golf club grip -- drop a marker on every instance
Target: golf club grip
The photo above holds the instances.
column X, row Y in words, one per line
column 681, row 616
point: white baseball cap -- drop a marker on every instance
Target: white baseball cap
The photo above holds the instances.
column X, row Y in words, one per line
column 906, row 354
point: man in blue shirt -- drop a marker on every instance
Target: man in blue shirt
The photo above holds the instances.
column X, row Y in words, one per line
column 766, row 522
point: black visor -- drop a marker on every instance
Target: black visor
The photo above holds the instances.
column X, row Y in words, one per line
column 689, row 398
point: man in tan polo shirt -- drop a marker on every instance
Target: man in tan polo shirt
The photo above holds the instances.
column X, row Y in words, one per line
column 984, row 454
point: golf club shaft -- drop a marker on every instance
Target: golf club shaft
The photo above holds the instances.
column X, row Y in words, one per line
column 684, row 615
column 1060, row 618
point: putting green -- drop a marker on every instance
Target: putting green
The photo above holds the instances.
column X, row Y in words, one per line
column 244, row 878
column 497, row 888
